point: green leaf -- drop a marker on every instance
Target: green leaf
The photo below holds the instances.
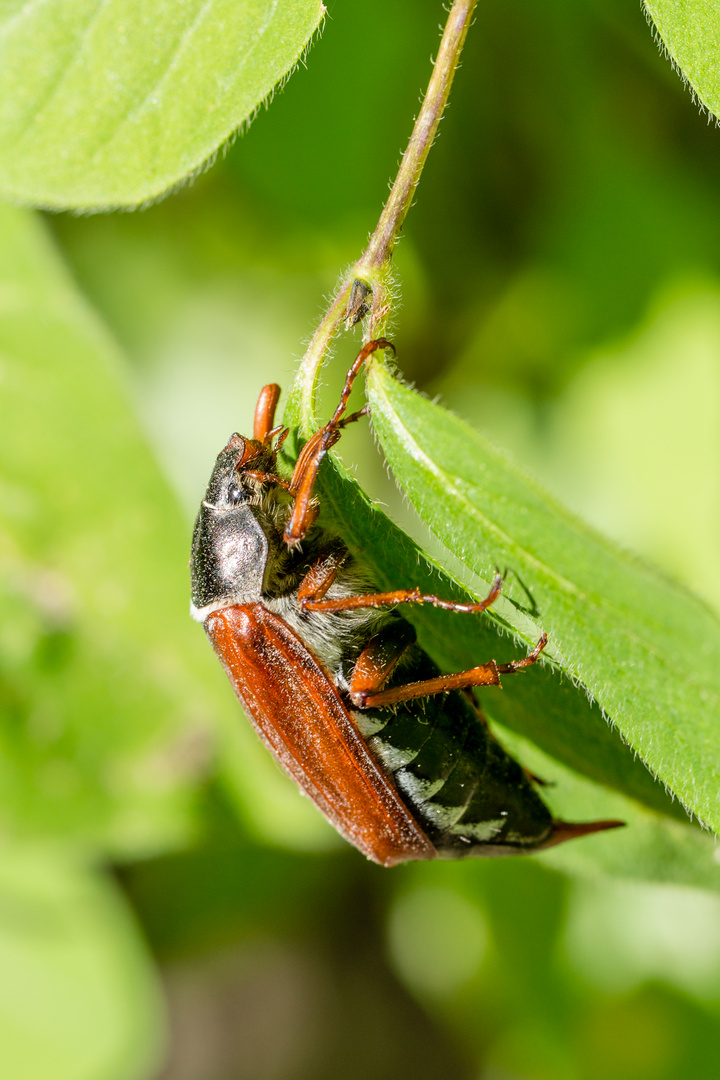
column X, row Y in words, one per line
column 594, row 773
column 106, row 686
column 113, row 707
column 78, row 997
column 690, row 31
column 645, row 650
column 111, row 104
column 651, row 848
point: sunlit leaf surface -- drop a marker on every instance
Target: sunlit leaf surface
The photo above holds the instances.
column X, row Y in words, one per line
column 78, row 995
column 647, row 651
column 540, row 704
column 573, row 184
column 690, row 31
column 111, row 103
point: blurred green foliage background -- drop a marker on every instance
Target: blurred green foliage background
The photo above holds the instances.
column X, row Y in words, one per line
column 169, row 906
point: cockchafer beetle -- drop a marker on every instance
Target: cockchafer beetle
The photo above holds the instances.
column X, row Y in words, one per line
column 397, row 756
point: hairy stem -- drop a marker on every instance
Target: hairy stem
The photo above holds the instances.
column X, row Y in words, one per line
column 373, row 266
column 383, row 240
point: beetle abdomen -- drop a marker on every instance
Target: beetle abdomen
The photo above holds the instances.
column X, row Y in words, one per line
column 469, row 795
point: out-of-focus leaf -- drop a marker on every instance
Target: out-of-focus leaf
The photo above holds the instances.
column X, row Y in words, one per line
column 647, row 652
column 110, row 104
column 650, row 848
column 104, row 716
column 636, row 423
column 621, row 935
column 690, row 31
column 78, row 1000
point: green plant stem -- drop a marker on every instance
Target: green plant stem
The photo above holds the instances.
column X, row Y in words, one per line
column 383, row 240
column 373, row 266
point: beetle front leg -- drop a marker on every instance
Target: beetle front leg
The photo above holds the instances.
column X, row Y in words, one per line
column 265, row 412
column 308, row 463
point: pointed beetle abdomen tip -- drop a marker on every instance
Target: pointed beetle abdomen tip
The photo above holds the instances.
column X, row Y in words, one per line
column 571, row 830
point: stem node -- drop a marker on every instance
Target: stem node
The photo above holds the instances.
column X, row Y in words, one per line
column 370, row 275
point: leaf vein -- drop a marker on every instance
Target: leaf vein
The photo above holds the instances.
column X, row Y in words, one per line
column 12, row 21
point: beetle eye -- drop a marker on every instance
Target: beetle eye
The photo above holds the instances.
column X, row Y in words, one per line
column 236, row 495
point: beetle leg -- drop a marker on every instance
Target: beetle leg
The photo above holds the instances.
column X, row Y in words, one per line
column 404, row 596
column 475, row 705
column 311, row 599
column 265, row 412
column 483, row 675
column 322, row 573
column 308, row 463
column 378, row 660
column 357, row 365
column 282, row 434
column 267, row 478
column 517, row 665
column 353, row 417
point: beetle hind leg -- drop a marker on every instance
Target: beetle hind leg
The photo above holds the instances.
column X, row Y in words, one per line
column 377, row 661
column 517, row 665
column 366, row 691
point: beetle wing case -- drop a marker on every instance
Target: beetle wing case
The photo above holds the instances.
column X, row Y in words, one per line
column 298, row 713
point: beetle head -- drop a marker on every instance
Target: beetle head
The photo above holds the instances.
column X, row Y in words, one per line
column 228, row 487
